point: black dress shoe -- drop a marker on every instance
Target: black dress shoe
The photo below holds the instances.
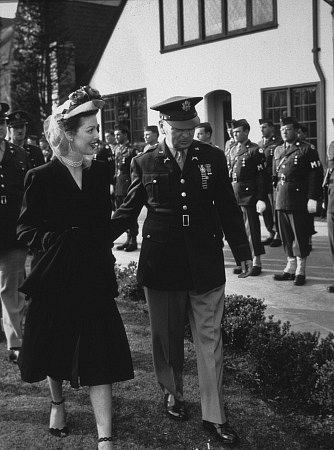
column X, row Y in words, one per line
column 175, row 410
column 122, row 246
column 276, row 243
column 237, row 270
column 268, row 241
column 330, row 288
column 256, row 270
column 224, row 432
column 285, row 276
column 13, row 355
column 299, row 280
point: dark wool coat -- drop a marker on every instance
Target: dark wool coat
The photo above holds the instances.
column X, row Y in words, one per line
column 73, row 329
column 13, row 168
column 268, row 150
column 34, row 154
column 188, row 212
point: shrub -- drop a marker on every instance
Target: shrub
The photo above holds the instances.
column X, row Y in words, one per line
column 128, row 286
column 241, row 315
column 323, row 395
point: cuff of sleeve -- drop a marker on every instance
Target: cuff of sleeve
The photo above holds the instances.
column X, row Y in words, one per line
column 242, row 253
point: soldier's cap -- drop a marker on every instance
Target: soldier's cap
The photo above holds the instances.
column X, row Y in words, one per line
column 240, row 123
column 152, row 128
column 17, row 118
column 179, row 112
column 4, row 107
column 266, row 120
column 229, row 123
column 290, row 120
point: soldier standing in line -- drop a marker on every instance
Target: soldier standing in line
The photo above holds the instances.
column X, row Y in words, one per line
column 13, row 167
column 268, row 144
column 185, row 186
column 124, row 152
column 231, row 142
column 203, row 133
column 298, row 174
column 151, row 135
column 329, row 183
column 246, row 163
column 17, row 123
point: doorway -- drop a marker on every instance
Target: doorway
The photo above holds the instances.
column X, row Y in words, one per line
column 218, row 110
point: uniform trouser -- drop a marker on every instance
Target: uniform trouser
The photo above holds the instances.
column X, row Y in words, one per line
column 330, row 226
column 168, row 310
column 294, row 231
column 253, row 229
column 12, row 274
column 133, row 231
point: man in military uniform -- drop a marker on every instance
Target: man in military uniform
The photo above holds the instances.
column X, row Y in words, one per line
column 298, row 175
column 13, row 167
column 151, row 135
column 185, row 186
column 231, row 142
column 246, row 164
column 268, row 144
column 45, row 148
column 124, row 152
column 17, row 123
column 203, row 133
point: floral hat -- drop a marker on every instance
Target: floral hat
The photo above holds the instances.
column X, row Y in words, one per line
column 82, row 100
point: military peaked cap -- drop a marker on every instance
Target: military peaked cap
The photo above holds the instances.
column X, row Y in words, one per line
column 4, row 107
column 289, row 121
column 179, row 111
column 229, row 123
column 240, row 123
column 17, row 118
column 266, row 120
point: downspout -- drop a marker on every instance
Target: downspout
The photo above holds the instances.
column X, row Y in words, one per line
column 322, row 110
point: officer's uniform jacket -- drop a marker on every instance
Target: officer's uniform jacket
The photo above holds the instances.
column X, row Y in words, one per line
column 106, row 154
column 246, row 166
column 123, row 156
column 187, row 212
column 13, row 168
column 268, row 149
column 228, row 146
column 298, row 175
column 35, row 155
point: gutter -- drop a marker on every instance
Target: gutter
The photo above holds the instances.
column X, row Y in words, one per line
column 322, row 101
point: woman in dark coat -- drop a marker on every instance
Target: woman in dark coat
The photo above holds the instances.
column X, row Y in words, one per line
column 73, row 328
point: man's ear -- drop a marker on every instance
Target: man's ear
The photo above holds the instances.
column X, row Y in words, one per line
column 161, row 126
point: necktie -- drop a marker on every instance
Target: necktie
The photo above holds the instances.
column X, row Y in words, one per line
column 179, row 157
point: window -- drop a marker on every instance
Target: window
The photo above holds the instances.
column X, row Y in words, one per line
column 192, row 22
column 129, row 109
column 297, row 101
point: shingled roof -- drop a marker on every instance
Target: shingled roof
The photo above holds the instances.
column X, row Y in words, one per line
column 89, row 26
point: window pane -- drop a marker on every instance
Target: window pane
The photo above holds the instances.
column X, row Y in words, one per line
column 170, row 22
column 304, row 108
column 275, row 105
column 236, row 14
column 262, row 11
column 213, row 17
column 190, row 20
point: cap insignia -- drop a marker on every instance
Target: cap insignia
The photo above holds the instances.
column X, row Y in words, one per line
column 186, row 105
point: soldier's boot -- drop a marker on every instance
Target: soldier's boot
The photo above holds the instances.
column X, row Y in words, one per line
column 132, row 244
column 300, row 271
column 126, row 243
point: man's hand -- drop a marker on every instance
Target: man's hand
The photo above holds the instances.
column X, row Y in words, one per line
column 312, row 206
column 246, row 267
column 260, row 206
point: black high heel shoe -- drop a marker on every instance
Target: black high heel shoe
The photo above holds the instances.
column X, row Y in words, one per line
column 58, row 432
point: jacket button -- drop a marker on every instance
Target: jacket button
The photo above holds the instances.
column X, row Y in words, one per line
column 283, row 166
column 246, row 189
column 2, row 185
column 182, row 181
column 185, row 207
column 154, row 181
column 183, row 194
column 148, row 236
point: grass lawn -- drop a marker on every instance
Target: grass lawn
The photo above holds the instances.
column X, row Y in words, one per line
column 139, row 421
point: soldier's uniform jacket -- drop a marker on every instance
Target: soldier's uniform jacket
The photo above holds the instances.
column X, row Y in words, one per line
column 330, row 178
column 297, row 174
column 228, row 146
column 35, row 155
column 187, row 213
column 106, row 154
column 123, row 156
column 13, row 168
column 268, row 149
column 246, row 165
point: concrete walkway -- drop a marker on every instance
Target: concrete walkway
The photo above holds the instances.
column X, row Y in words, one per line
column 308, row 308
